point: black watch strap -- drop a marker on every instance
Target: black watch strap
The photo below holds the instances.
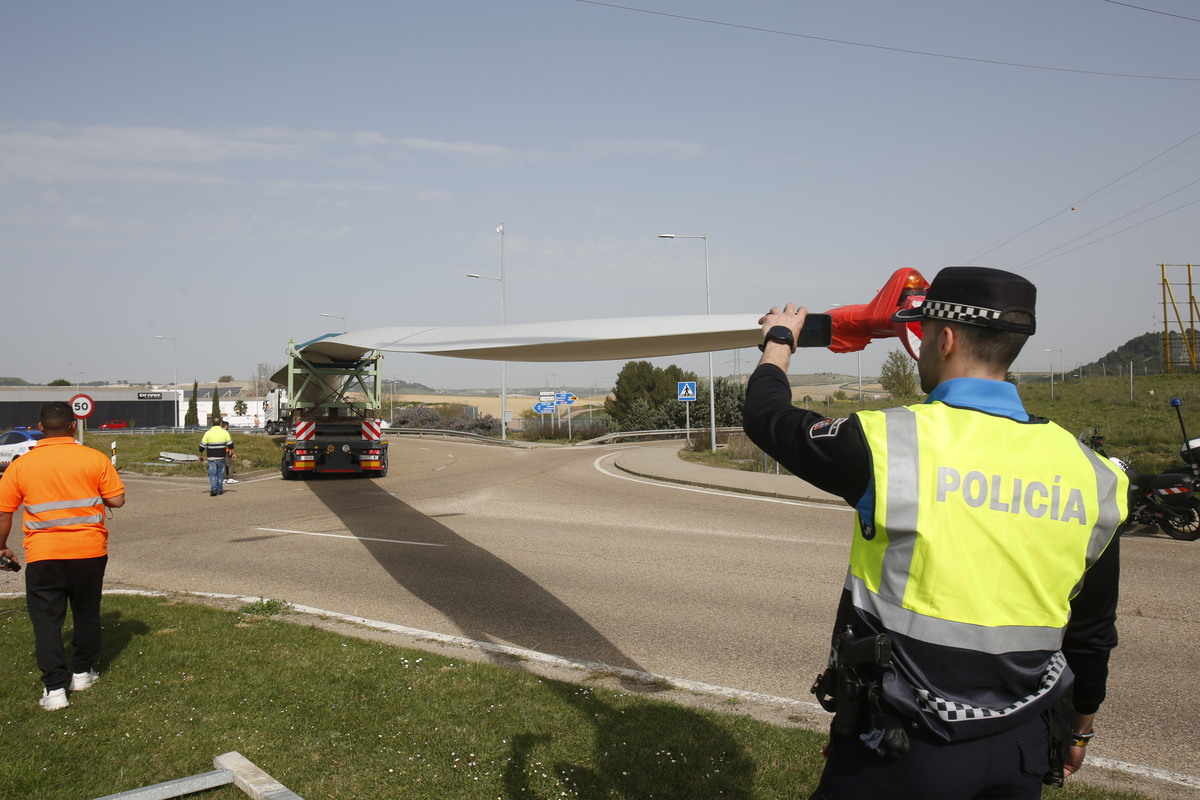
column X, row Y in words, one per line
column 781, row 334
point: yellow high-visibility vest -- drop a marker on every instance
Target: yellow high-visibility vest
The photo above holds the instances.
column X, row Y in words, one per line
column 983, row 527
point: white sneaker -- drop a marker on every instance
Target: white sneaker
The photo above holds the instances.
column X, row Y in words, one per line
column 83, row 680
column 53, row 701
column 230, row 480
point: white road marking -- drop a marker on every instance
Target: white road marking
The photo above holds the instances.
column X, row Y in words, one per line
column 717, row 492
column 1169, row 776
column 356, row 538
column 274, row 477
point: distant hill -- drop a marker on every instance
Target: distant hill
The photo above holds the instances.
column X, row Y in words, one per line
column 1145, row 352
column 404, row 387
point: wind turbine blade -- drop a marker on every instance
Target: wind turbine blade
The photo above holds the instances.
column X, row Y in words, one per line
column 572, row 340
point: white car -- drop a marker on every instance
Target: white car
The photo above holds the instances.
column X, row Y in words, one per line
column 15, row 444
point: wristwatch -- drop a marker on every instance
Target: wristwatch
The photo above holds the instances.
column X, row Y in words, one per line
column 781, row 334
column 1081, row 739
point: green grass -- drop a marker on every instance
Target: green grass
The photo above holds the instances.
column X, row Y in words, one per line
column 337, row 717
column 139, row 453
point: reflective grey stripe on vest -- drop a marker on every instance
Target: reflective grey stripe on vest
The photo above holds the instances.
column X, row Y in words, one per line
column 64, row 522
column 947, row 633
column 901, row 486
column 59, row 505
column 1109, row 516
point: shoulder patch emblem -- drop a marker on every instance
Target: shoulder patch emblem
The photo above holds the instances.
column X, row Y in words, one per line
column 826, row 428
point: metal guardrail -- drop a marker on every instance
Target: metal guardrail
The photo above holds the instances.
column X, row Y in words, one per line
column 667, row 433
column 421, row 433
column 152, row 431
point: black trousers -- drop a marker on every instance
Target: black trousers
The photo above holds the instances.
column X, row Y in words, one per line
column 50, row 586
column 1006, row 766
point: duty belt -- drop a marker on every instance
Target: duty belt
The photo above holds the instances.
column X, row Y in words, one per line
column 853, row 689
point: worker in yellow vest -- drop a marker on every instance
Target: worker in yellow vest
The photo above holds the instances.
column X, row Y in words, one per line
column 216, row 445
column 970, row 650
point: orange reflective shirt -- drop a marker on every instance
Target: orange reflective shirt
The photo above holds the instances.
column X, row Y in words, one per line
column 62, row 485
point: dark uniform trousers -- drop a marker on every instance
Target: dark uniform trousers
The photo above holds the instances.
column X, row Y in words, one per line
column 1006, row 766
column 50, row 585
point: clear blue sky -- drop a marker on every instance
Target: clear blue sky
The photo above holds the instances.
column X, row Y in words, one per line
column 224, row 173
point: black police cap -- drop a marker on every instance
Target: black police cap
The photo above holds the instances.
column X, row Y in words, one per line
column 976, row 296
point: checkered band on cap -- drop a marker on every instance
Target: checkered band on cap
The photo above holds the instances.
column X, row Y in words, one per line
column 957, row 312
column 980, row 296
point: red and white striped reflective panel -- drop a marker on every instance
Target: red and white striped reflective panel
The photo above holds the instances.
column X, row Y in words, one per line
column 306, row 430
column 370, row 429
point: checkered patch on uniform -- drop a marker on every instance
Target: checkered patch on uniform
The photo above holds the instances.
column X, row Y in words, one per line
column 949, row 711
column 957, row 312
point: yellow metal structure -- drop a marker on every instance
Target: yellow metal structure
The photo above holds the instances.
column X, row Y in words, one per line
column 1187, row 333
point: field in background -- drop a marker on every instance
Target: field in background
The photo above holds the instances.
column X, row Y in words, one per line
column 490, row 404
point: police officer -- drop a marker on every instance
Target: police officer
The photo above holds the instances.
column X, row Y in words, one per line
column 981, row 595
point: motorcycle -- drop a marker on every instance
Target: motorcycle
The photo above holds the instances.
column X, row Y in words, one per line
column 1170, row 500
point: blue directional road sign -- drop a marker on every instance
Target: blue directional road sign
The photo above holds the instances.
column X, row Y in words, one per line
column 687, row 391
column 564, row 397
column 543, row 408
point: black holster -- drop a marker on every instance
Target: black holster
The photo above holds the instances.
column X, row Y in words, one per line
column 1058, row 719
column 853, row 690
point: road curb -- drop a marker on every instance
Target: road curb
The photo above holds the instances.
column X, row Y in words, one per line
column 724, row 487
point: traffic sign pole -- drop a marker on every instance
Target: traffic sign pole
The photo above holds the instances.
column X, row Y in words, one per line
column 685, row 392
column 82, row 407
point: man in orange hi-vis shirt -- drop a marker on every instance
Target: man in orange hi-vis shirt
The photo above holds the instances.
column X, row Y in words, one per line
column 64, row 488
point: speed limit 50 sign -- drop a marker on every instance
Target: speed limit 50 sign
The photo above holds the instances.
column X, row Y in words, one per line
column 82, row 405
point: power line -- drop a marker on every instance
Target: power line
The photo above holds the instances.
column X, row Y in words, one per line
column 885, row 47
column 1152, row 11
column 1083, row 200
column 1033, row 262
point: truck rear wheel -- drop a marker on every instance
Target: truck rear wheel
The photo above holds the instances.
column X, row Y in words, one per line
column 383, row 467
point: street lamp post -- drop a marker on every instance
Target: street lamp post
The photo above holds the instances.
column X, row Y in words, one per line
column 712, row 384
column 1060, row 367
column 336, row 316
column 503, row 364
column 174, row 373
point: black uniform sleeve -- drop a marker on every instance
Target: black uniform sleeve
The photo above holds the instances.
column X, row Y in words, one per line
column 830, row 454
column 1092, row 632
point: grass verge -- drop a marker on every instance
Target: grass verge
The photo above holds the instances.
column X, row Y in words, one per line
column 337, row 717
column 139, row 452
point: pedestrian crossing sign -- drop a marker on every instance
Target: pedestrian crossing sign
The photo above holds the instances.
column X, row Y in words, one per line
column 687, row 391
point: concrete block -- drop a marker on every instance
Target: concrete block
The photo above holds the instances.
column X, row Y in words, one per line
column 257, row 784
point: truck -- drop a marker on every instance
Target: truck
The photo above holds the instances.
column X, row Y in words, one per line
column 329, row 412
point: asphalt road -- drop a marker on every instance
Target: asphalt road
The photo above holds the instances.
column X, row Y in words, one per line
column 545, row 549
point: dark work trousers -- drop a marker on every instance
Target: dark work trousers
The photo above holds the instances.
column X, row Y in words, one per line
column 50, row 586
column 1007, row 766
